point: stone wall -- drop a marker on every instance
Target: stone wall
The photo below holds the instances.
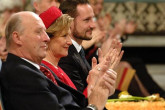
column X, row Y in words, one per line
column 149, row 16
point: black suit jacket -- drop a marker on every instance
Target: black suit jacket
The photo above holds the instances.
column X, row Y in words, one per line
column 24, row 87
column 78, row 97
column 75, row 68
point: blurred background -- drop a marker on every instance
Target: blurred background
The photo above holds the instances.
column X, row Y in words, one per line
column 148, row 40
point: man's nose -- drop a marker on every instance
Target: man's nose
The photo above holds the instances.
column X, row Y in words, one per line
column 46, row 37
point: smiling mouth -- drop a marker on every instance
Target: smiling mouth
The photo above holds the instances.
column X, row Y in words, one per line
column 66, row 47
column 45, row 47
column 89, row 31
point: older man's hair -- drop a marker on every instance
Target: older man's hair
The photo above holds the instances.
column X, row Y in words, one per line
column 60, row 1
column 14, row 24
column 70, row 6
column 38, row 1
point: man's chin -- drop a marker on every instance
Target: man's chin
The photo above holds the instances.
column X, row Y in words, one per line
column 88, row 37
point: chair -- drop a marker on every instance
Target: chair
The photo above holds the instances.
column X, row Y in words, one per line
column 124, row 78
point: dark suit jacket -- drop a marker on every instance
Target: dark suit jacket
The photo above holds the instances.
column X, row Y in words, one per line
column 78, row 97
column 24, row 87
column 75, row 68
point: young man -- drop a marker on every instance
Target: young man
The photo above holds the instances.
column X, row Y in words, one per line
column 75, row 64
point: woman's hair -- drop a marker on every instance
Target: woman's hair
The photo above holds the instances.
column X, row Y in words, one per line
column 60, row 26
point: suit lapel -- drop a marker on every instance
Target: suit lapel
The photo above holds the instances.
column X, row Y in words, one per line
column 77, row 58
column 77, row 96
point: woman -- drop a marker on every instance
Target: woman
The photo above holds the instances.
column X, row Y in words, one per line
column 58, row 29
column 60, row 41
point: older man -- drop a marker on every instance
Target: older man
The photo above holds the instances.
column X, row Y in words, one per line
column 42, row 5
column 24, row 86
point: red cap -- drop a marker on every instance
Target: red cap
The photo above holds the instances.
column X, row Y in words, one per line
column 50, row 15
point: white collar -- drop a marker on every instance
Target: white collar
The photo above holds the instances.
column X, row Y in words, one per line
column 34, row 64
column 77, row 46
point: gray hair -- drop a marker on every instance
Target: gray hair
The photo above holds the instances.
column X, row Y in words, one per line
column 10, row 4
column 34, row 1
column 14, row 24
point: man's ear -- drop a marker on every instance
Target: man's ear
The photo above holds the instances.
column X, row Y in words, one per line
column 16, row 38
column 36, row 6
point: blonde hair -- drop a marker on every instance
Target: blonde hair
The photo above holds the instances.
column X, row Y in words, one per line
column 60, row 26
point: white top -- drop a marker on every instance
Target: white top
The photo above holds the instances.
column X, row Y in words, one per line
column 77, row 46
column 34, row 64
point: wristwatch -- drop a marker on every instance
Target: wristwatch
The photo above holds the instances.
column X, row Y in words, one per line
column 93, row 107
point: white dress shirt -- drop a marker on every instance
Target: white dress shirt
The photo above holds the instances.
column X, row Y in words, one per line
column 76, row 45
column 34, row 64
